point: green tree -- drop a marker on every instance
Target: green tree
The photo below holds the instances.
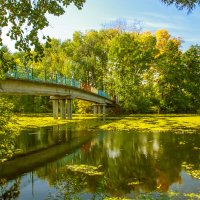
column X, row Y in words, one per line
column 149, row 72
column 26, row 18
column 131, row 55
column 88, row 54
column 181, row 4
column 6, row 108
column 6, row 60
column 169, row 71
column 54, row 61
column 8, row 130
column 191, row 63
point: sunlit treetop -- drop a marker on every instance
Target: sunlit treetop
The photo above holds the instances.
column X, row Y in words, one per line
column 25, row 18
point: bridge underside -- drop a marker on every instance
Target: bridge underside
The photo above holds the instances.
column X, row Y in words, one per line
column 59, row 94
column 67, row 100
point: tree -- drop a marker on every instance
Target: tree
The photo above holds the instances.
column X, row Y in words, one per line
column 130, row 57
column 169, row 73
column 84, row 107
column 8, row 131
column 88, row 54
column 191, row 63
column 181, row 4
column 26, row 18
column 6, row 60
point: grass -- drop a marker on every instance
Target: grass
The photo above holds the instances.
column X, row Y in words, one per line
column 121, row 123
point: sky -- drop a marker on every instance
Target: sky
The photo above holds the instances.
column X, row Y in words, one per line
column 152, row 14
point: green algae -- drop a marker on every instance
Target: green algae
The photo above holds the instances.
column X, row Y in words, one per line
column 156, row 196
column 155, row 123
column 189, row 168
column 85, row 169
column 181, row 123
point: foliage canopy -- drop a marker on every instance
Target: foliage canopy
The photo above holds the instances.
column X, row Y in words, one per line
column 26, row 18
column 148, row 72
column 181, row 4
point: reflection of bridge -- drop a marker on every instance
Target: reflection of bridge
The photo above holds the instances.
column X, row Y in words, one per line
column 60, row 89
column 28, row 162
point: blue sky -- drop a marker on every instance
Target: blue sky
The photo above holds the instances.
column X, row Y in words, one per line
column 153, row 15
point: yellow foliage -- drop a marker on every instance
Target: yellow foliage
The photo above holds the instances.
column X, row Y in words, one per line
column 162, row 37
column 145, row 36
column 177, row 42
column 83, row 106
column 18, row 62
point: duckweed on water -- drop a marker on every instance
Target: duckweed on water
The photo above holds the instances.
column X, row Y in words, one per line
column 24, row 121
column 157, row 196
column 134, row 183
column 191, row 196
column 36, row 120
column 182, row 123
column 195, row 173
column 155, row 123
column 85, row 169
column 116, row 198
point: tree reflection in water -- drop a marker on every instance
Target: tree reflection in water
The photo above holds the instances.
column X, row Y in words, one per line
column 132, row 162
column 9, row 190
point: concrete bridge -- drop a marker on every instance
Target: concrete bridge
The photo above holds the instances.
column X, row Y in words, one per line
column 60, row 92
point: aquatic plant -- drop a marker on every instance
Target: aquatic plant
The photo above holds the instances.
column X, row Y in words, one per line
column 85, row 169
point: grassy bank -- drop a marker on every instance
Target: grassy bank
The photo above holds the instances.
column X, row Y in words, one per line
column 131, row 122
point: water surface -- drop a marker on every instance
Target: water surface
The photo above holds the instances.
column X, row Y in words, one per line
column 129, row 163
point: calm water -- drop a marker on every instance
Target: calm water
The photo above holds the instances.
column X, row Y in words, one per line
column 129, row 164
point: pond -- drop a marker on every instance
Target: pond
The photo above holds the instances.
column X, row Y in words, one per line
column 61, row 162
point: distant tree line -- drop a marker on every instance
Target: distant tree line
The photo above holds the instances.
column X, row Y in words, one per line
column 149, row 72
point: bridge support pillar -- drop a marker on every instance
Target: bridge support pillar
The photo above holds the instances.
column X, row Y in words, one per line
column 69, row 108
column 95, row 109
column 55, row 108
column 99, row 109
column 104, row 109
column 62, row 100
column 63, row 108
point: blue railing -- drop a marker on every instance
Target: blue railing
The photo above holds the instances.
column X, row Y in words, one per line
column 43, row 76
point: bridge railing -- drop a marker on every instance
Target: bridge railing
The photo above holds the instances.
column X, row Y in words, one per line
column 43, row 76
column 20, row 73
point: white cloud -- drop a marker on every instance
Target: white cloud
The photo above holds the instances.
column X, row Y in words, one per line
column 152, row 21
column 160, row 25
column 192, row 39
column 153, row 15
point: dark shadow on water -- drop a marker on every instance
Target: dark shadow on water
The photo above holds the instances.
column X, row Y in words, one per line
column 38, row 147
